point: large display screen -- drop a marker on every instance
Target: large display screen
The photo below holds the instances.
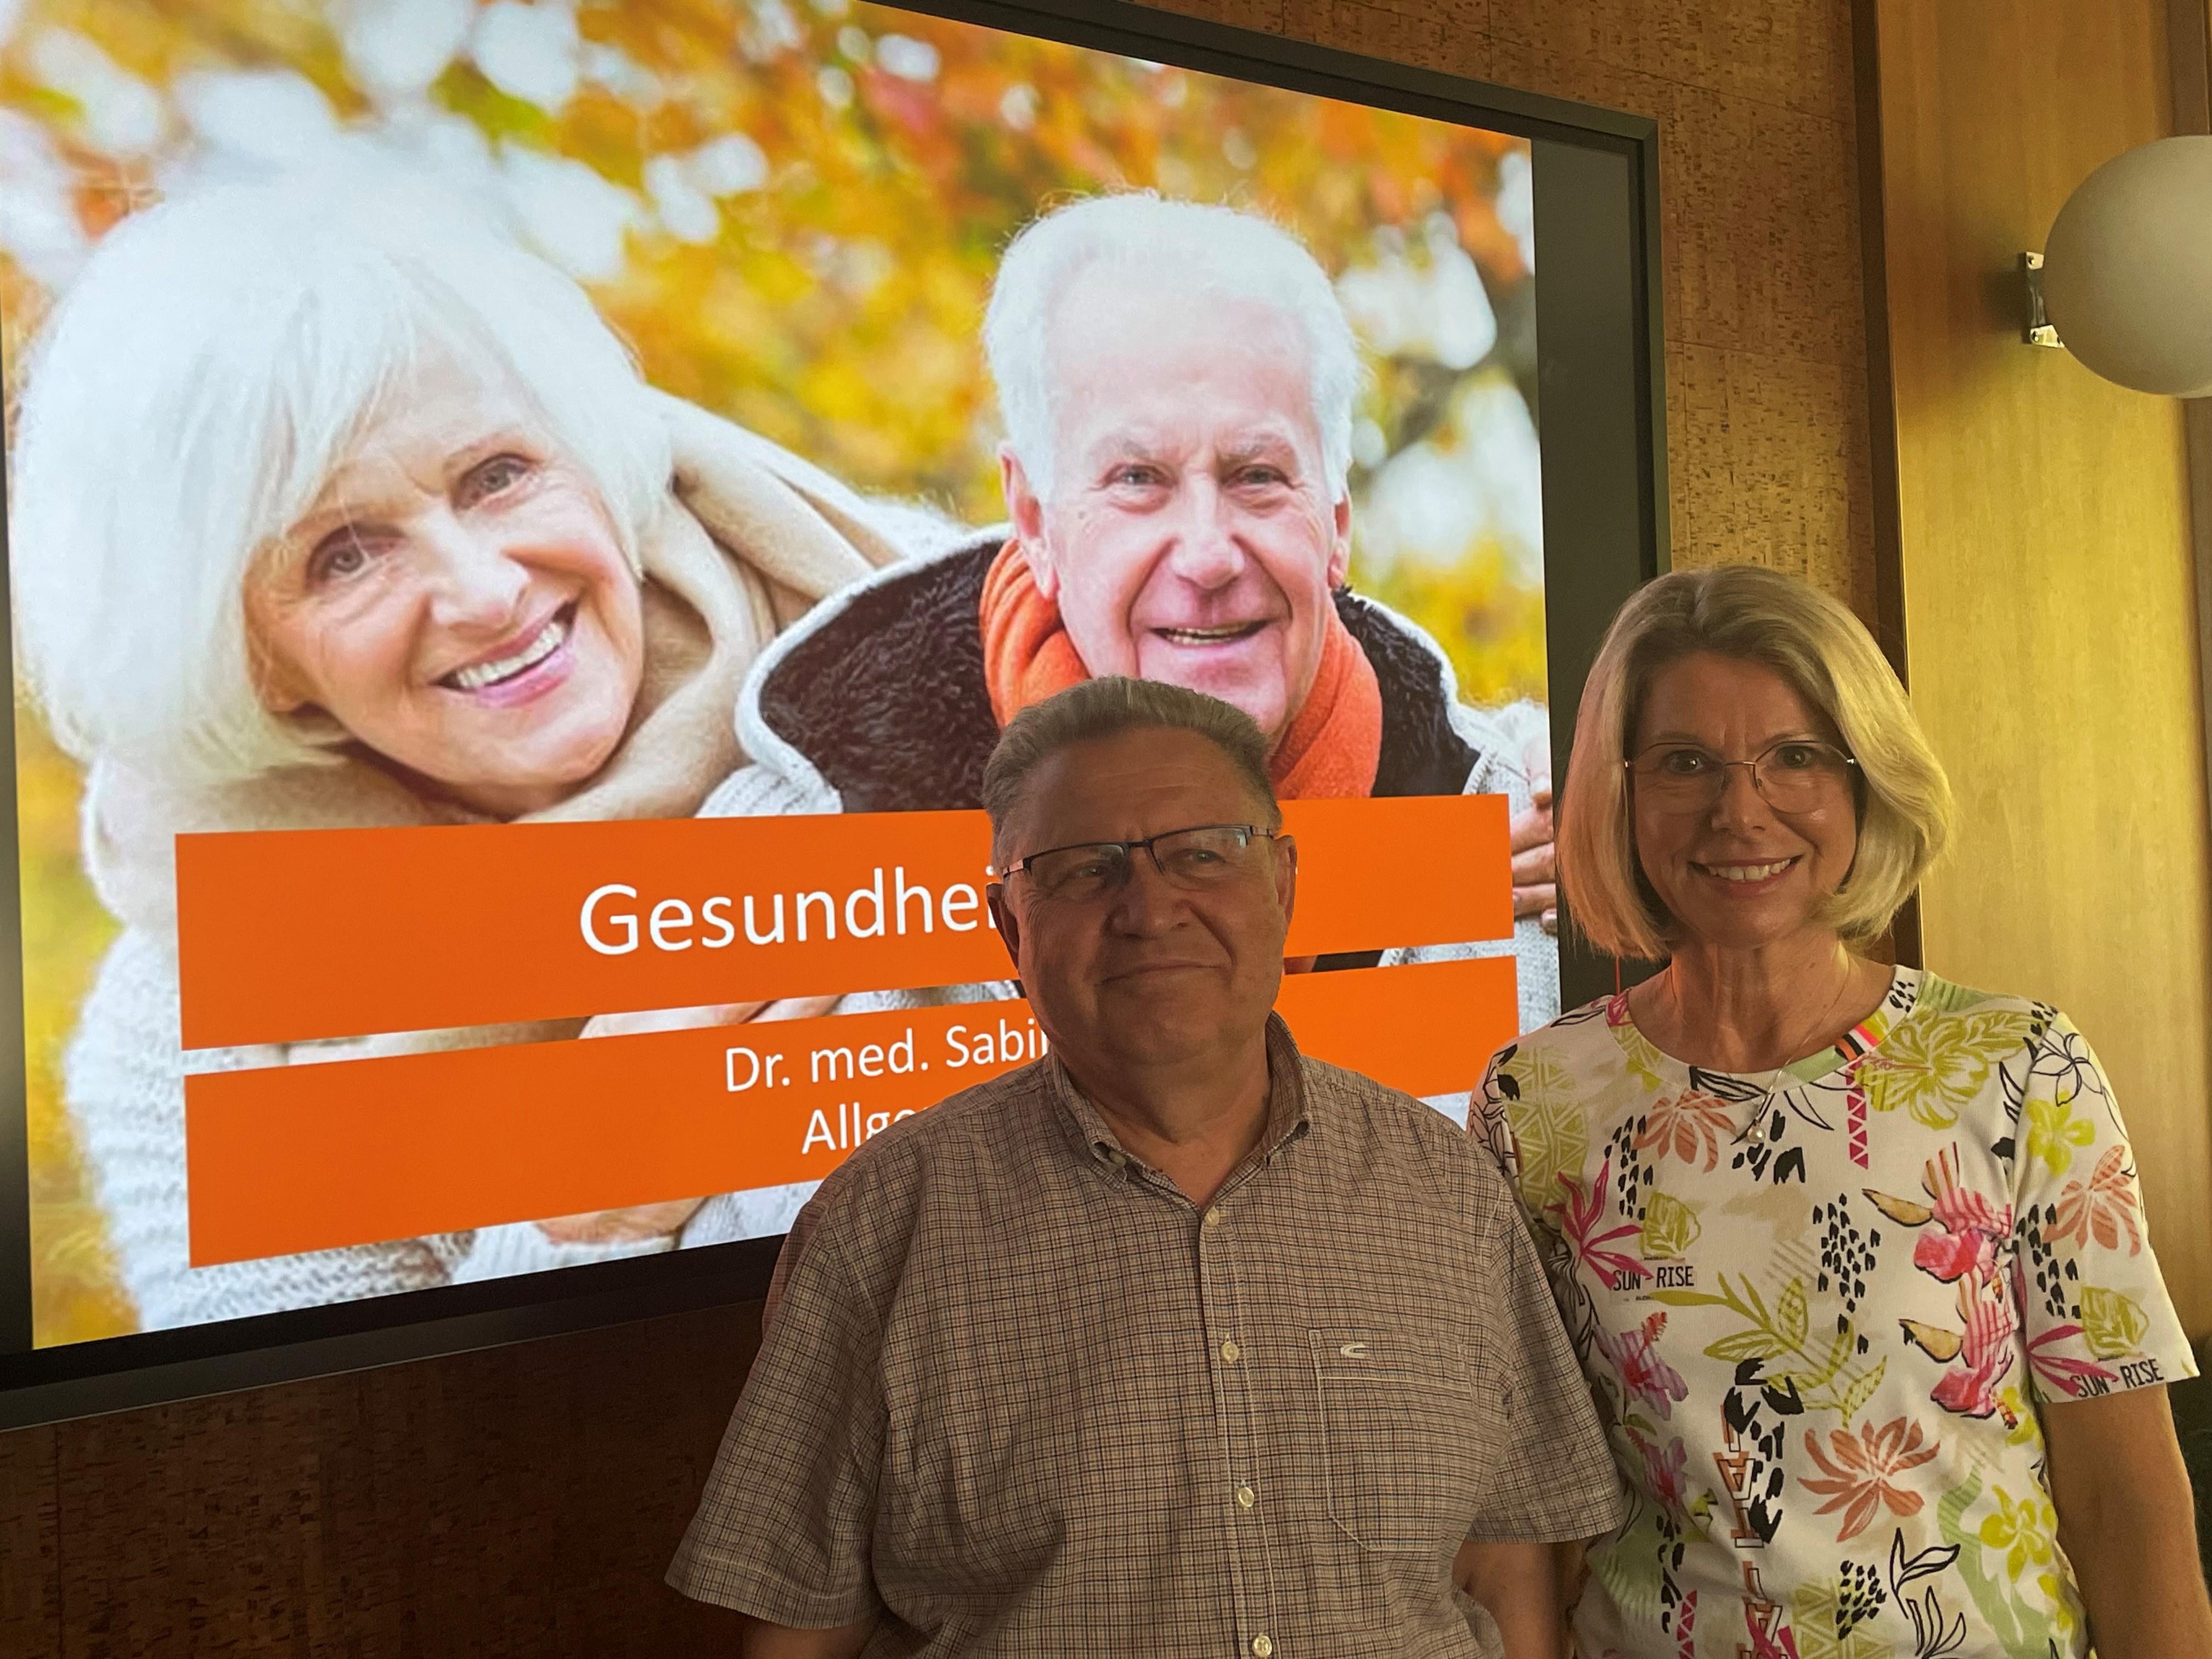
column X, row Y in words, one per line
column 526, row 520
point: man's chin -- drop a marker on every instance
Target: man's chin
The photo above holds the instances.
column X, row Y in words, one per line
column 1261, row 695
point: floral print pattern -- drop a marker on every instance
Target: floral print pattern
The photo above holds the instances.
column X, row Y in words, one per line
column 1861, row 1468
column 1821, row 1316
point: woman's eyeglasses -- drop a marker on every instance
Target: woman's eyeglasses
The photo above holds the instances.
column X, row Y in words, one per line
column 1797, row 775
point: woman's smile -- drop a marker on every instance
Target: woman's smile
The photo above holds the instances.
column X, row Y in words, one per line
column 1748, row 878
column 505, row 679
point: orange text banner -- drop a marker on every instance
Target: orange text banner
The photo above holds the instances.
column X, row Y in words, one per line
column 314, row 1156
column 288, row 936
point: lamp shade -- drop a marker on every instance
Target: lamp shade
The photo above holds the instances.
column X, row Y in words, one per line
column 2127, row 274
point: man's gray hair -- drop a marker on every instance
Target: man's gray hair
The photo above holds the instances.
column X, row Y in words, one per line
column 1106, row 708
column 1140, row 237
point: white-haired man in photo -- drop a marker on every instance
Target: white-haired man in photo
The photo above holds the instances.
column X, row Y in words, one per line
column 1177, row 382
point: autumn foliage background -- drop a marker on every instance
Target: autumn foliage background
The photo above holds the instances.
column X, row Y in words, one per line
column 792, row 210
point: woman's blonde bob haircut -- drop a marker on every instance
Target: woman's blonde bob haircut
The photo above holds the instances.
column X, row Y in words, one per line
column 191, row 393
column 1757, row 615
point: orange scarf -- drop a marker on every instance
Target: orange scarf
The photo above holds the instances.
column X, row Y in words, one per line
column 1335, row 743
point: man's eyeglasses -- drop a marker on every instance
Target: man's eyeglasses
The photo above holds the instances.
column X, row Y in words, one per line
column 1797, row 775
column 1210, row 855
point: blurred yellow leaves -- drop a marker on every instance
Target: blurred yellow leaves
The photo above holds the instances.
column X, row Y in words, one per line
column 73, row 1293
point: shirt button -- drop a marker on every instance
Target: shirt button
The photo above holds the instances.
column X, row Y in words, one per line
column 1213, row 1215
column 1246, row 1496
column 1231, row 1352
column 1262, row 1647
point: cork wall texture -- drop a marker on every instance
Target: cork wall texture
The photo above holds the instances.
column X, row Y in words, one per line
column 1767, row 443
column 523, row 1501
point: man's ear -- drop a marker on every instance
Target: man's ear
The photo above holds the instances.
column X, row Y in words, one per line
column 1286, row 875
column 1027, row 513
column 1340, row 548
column 1009, row 926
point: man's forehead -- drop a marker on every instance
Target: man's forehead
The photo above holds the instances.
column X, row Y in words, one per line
column 1119, row 314
column 1127, row 787
column 1145, row 436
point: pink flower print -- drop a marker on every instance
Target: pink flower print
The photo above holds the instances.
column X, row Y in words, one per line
column 1961, row 1250
column 1782, row 1645
column 1985, row 1347
column 1644, row 1374
column 1580, row 1213
column 1667, row 1471
column 2075, row 1379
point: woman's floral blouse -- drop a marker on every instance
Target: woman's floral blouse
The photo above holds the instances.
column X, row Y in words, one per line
column 1820, row 1347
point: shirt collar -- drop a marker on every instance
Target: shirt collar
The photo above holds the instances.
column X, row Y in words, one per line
column 1289, row 1104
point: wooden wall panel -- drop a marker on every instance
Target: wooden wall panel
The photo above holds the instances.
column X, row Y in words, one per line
column 524, row 1501
column 2049, row 598
column 30, row 1552
column 521, row 1501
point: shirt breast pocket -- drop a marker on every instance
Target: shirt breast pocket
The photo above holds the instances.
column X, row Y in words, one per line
column 1404, row 1453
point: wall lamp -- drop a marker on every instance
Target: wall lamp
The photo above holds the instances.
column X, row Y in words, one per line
column 2124, row 281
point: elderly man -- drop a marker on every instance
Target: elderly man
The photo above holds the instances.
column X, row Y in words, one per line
column 1177, row 383
column 1172, row 1342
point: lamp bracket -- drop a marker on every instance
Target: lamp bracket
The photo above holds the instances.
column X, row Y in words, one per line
column 2035, row 325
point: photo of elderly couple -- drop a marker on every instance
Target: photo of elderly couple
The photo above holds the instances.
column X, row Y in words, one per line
column 517, row 424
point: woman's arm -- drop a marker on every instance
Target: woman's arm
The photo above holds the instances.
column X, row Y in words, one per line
column 1519, row 1587
column 2127, row 1521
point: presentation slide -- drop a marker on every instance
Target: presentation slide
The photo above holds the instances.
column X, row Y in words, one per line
column 526, row 520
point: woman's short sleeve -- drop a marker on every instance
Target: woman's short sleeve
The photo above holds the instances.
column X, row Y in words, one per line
column 2096, row 1316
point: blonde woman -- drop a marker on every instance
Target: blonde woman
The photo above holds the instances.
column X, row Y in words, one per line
column 333, row 507
column 1854, row 1258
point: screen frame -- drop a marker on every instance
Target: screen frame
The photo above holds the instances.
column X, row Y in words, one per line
column 1601, row 417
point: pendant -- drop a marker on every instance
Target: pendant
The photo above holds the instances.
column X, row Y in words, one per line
column 1757, row 1134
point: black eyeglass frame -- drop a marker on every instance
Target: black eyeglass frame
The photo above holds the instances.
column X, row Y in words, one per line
column 1251, row 833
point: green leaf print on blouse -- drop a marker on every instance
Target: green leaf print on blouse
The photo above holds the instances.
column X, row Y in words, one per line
column 2053, row 1131
column 1826, row 1622
column 1638, row 1052
column 1670, row 1227
column 2019, row 1626
column 2113, row 1325
column 2023, row 1530
column 1823, row 1381
column 1544, row 1112
column 1931, row 1068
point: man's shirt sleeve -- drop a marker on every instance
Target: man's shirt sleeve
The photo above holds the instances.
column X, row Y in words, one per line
column 1556, row 1479
column 782, row 1530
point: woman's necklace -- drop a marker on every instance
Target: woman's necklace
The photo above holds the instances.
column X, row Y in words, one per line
column 1754, row 1131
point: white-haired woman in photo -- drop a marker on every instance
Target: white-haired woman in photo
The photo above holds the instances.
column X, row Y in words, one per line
column 333, row 507
column 1855, row 1258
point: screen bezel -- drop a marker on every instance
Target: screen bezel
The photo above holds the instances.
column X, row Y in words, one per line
column 1600, row 421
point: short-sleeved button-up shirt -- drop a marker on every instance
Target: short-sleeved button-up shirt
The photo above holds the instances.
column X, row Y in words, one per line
column 1017, row 1395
